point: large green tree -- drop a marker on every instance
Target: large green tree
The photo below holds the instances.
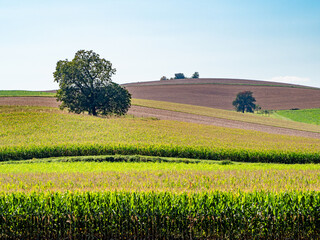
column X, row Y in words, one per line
column 86, row 86
column 244, row 102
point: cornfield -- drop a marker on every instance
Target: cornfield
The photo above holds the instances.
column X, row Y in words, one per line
column 150, row 215
column 30, row 132
column 196, row 152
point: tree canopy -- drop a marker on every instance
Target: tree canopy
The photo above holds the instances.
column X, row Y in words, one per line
column 179, row 76
column 244, row 102
column 195, row 75
column 86, row 86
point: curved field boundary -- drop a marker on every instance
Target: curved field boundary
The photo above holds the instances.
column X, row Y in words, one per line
column 198, row 152
column 218, row 81
column 139, row 111
column 232, row 84
column 224, row 114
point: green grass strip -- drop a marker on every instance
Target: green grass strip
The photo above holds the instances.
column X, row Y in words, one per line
column 22, row 93
column 311, row 116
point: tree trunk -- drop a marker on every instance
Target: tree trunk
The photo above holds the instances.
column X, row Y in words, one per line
column 93, row 111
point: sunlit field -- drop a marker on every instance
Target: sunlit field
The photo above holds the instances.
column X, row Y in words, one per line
column 158, row 199
column 174, row 177
column 21, row 93
column 311, row 116
column 225, row 114
column 151, row 197
column 28, row 132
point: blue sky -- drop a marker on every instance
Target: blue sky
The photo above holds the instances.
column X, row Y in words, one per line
column 275, row 40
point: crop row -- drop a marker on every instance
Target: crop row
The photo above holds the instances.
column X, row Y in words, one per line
column 29, row 152
column 121, row 215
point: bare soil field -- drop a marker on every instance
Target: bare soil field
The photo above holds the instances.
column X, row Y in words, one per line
column 167, row 115
column 29, row 101
column 219, row 93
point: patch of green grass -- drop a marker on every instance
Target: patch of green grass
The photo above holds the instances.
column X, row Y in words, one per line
column 311, row 116
column 22, row 93
column 225, row 114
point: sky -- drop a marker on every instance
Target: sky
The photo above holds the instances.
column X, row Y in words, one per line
column 274, row 40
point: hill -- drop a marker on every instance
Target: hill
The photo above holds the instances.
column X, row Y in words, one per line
column 178, row 93
column 219, row 93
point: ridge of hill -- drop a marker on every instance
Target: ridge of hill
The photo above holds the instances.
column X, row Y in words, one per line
column 219, row 93
column 221, row 81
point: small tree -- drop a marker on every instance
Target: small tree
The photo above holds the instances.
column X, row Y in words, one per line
column 195, row 75
column 86, row 86
column 244, row 102
column 163, row 78
column 179, row 76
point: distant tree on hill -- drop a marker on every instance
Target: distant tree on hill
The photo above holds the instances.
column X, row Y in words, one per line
column 179, row 76
column 195, row 75
column 86, row 86
column 163, row 78
column 244, row 102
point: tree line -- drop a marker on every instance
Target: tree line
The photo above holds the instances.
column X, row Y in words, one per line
column 181, row 76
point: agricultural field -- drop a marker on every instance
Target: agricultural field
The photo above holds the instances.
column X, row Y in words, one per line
column 311, row 116
column 22, row 93
column 147, row 197
column 219, row 93
column 230, row 115
column 28, row 132
column 62, row 176
column 142, row 173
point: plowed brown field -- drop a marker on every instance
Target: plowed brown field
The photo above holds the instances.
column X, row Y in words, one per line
column 219, row 93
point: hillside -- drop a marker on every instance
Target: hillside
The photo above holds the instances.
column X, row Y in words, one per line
column 219, row 93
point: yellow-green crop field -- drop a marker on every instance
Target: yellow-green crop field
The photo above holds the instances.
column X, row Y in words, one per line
column 225, row 114
column 28, row 132
column 174, row 177
column 123, row 200
column 141, row 197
